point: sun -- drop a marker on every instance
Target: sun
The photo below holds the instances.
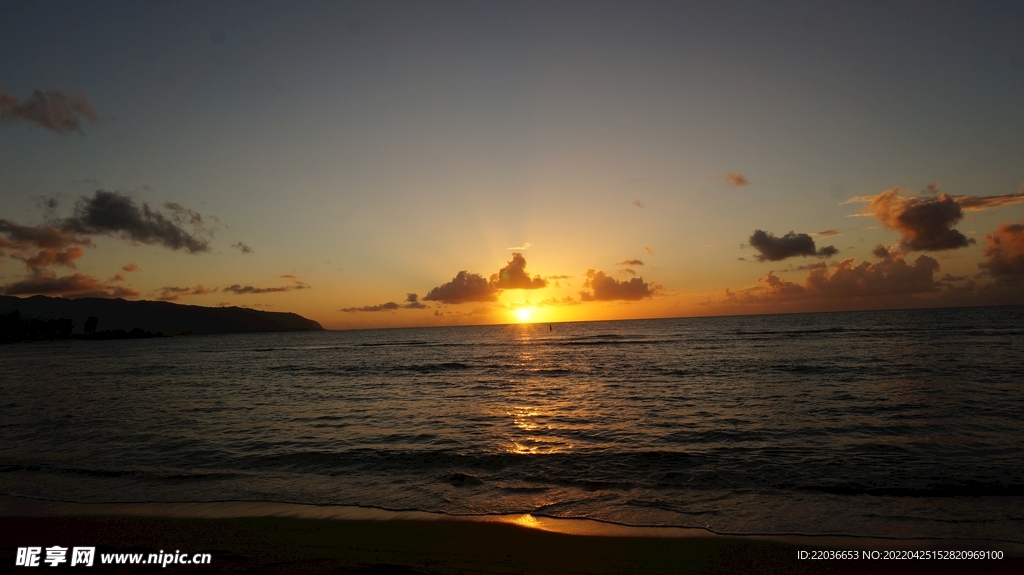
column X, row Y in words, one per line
column 523, row 314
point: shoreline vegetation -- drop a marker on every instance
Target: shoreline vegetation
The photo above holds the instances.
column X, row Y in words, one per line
column 41, row 318
column 289, row 538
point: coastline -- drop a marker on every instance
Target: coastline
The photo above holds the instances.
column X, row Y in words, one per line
column 291, row 538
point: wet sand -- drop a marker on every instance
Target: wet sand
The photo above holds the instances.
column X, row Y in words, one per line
column 304, row 539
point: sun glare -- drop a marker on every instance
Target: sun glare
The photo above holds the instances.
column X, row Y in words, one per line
column 523, row 314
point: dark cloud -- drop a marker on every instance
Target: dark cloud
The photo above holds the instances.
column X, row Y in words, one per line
column 925, row 223
column 175, row 293
column 72, row 286
column 390, row 306
column 735, row 180
column 115, row 213
column 242, row 290
column 881, row 252
column 790, row 245
column 639, row 202
column 242, row 247
column 630, row 263
column 607, row 288
column 514, row 276
column 130, row 267
column 828, row 233
column 628, row 271
column 1004, row 250
column 411, row 302
column 55, row 110
column 464, row 287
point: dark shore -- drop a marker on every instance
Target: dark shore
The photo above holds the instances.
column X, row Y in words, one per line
column 295, row 539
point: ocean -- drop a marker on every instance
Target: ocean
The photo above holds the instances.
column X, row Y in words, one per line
column 891, row 424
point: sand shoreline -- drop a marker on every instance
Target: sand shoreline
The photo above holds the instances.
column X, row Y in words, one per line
column 291, row 538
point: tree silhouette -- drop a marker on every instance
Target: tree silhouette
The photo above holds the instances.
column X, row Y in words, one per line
column 90, row 324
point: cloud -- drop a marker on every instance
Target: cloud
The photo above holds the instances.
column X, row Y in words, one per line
column 115, row 213
column 1004, row 250
column 629, row 271
column 649, row 251
column 39, row 236
column 889, row 277
column 630, row 263
column 522, row 247
column 390, row 306
column 514, row 276
column 175, row 293
column 464, row 287
column 242, row 290
column 925, row 223
column 72, row 286
column 559, row 277
column 41, row 246
column 790, row 245
column 827, row 233
column 638, row 202
column 411, row 302
column 130, row 267
column 242, row 247
column 735, row 180
column 607, row 288
column 881, row 252
column 53, row 257
column 55, row 110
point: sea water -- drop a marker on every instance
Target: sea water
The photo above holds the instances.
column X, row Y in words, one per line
column 895, row 423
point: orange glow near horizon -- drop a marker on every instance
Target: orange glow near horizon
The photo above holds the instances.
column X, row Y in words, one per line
column 524, row 314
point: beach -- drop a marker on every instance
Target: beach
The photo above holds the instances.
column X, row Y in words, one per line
column 301, row 539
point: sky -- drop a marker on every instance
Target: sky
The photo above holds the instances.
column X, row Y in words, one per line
column 377, row 164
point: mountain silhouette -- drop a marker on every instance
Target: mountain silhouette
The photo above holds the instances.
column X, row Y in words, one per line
column 154, row 316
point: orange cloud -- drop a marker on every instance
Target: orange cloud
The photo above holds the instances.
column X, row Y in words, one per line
column 735, row 180
column 649, row 251
column 926, row 222
column 630, row 263
column 72, row 286
column 889, row 277
column 130, row 267
column 606, row 288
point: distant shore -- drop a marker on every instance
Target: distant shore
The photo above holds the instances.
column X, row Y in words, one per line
column 286, row 539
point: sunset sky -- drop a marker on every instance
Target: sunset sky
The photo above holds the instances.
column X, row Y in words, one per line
column 381, row 164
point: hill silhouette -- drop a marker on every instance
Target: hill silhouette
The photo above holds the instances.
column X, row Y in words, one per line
column 152, row 316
